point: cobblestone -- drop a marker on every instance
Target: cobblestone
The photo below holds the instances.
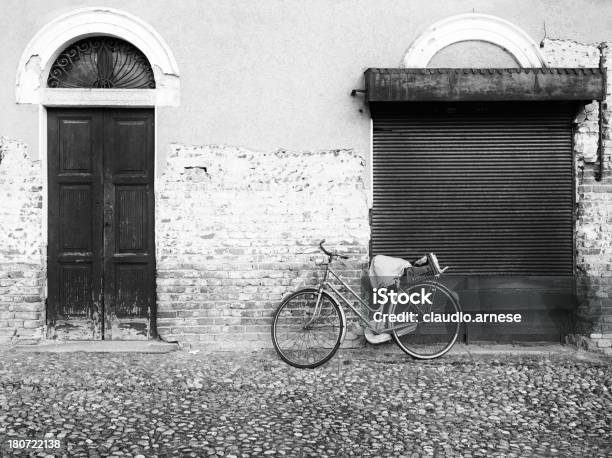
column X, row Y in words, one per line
column 251, row 404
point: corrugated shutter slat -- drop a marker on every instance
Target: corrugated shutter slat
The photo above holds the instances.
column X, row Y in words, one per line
column 488, row 187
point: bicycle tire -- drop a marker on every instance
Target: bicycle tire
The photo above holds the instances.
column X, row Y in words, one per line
column 310, row 357
column 414, row 342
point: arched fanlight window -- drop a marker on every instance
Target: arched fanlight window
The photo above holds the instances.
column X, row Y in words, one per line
column 101, row 62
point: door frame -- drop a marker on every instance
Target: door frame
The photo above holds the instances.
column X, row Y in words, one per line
column 127, row 102
column 35, row 64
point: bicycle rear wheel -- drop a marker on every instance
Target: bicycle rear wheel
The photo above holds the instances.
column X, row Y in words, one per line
column 436, row 331
column 302, row 339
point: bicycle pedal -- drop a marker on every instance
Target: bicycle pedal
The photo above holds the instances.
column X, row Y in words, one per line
column 376, row 339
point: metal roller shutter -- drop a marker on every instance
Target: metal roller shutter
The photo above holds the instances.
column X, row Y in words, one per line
column 486, row 186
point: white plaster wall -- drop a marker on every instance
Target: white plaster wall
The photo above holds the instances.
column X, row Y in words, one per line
column 277, row 73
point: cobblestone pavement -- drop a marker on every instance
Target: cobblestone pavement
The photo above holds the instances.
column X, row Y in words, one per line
column 372, row 403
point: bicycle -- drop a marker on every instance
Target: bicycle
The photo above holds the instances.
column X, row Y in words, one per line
column 309, row 325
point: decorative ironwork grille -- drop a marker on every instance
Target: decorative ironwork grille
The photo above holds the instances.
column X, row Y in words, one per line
column 101, row 62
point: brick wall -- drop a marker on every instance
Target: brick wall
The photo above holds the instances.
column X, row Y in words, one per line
column 237, row 230
column 593, row 199
column 21, row 260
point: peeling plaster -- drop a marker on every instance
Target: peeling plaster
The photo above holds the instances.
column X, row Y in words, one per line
column 158, row 70
column 33, row 64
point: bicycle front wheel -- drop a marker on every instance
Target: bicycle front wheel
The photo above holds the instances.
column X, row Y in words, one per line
column 436, row 325
column 306, row 335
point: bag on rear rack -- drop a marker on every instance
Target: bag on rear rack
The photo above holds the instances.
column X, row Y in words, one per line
column 385, row 270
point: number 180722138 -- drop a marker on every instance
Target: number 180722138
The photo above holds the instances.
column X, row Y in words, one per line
column 22, row 444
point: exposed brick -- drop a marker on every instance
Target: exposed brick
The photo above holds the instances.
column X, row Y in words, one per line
column 21, row 250
column 228, row 257
column 29, row 307
column 27, row 315
column 593, row 231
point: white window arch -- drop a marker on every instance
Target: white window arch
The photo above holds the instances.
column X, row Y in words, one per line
column 474, row 27
column 54, row 37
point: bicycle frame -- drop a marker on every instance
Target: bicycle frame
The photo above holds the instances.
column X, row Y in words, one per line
column 327, row 286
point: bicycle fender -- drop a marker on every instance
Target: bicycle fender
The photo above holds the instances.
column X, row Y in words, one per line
column 343, row 323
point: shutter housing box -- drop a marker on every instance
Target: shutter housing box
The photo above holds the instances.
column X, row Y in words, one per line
column 478, row 84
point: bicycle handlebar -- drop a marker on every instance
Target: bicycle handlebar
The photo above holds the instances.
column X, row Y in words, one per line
column 431, row 258
column 331, row 254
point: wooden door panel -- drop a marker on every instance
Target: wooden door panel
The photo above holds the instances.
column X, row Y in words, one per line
column 75, row 224
column 75, row 145
column 128, row 233
column 131, row 153
column 131, row 219
column 132, row 289
column 75, row 293
column 76, row 208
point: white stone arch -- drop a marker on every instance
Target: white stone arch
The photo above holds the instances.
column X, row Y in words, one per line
column 474, row 27
column 53, row 38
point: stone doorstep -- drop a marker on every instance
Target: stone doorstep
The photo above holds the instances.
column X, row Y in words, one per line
column 522, row 349
column 485, row 351
column 100, row 346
